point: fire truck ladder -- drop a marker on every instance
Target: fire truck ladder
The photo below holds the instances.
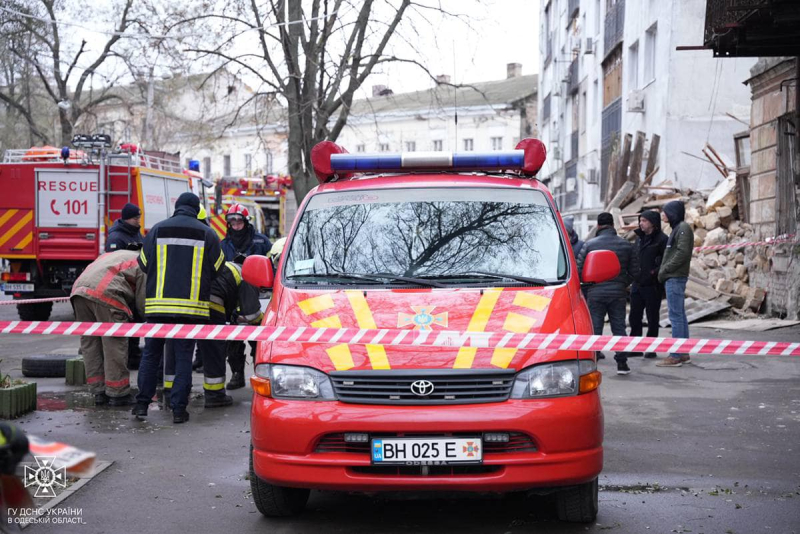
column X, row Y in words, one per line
column 125, row 160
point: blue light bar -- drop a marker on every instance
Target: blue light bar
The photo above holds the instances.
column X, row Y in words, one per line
column 509, row 159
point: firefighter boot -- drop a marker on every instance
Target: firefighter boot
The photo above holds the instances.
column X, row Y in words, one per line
column 218, row 399
column 237, row 380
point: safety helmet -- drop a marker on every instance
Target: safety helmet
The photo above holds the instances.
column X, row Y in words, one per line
column 238, row 209
column 202, row 215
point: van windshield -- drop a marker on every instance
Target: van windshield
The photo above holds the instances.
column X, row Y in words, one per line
column 450, row 235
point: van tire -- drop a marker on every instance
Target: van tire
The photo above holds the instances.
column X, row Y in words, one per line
column 35, row 312
column 46, row 365
column 276, row 501
column 578, row 504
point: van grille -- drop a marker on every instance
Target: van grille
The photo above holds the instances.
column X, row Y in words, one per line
column 472, row 386
column 432, row 470
column 518, row 442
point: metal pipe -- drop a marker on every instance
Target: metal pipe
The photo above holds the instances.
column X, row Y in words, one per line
column 101, row 205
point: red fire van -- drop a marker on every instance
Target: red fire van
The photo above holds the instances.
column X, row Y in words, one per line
column 427, row 241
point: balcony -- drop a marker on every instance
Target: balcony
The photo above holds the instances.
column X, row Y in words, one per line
column 752, row 28
column 572, row 75
column 614, row 27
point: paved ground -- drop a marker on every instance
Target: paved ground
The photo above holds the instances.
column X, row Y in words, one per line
column 713, row 447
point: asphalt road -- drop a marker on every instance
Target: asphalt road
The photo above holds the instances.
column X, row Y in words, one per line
column 708, row 448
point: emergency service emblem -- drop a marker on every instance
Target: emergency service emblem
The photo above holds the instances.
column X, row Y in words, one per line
column 423, row 318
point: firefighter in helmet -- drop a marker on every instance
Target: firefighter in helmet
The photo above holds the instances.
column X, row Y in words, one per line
column 241, row 241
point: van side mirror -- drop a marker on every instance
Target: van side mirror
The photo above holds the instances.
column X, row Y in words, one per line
column 257, row 271
column 600, row 266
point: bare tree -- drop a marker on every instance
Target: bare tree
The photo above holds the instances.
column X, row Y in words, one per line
column 56, row 67
column 314, row 54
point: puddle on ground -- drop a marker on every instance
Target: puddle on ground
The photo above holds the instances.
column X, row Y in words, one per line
column 79, row 401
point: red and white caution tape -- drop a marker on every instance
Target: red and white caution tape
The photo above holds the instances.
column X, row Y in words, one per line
column 396, row 337
column 31, row 301
column 788, row 238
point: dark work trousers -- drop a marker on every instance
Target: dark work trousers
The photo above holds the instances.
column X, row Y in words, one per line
column 645, row 299
column 134, row 353
column 212, row 354
column 183, row 350
column 236, row 358
column 615, row 308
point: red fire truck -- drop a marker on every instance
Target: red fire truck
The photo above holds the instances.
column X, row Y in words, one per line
column 56, row 206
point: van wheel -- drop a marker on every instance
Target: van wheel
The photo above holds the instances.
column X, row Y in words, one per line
column 35, row 312
column 578, row 504
column 276, row 501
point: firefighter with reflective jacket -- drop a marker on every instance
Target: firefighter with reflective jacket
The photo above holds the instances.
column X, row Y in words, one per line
column 182, row 258
column 241, row 241
column 110, row 290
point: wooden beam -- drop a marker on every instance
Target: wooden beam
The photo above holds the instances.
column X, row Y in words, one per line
column 623, row 192
column 635, row 192
column 636, row 161
column 624, row 161
column 652, row 156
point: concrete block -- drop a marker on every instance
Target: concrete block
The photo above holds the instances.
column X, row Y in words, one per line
column 723, row 260
column 711, row 261
column 711, row 221
column 717, row 236
column 724, row 286
column 766, row 186
column 739, row 258
column 76, row 372
column 725, row 215
column 764, row 161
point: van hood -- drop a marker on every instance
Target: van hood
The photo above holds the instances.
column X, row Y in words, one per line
column 516, row 309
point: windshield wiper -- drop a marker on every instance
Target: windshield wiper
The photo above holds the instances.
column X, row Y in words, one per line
column 503, row 276
column 373, row 278
column 320, row 277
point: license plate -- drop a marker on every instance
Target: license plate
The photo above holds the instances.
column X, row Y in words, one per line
column 22, row 288
column 430, row 451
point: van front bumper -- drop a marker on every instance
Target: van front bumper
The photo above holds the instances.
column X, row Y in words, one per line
column 567, row 433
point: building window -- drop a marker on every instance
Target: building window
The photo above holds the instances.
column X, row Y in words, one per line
column 360, row 148
column 437, row 145
column 650, row 54
column 248, row 164
column 226, row 165
column 584, row 111
column 633, row 66
column 411, row 146
column 468, row 145
column 595, row 108
column 207, row 168
column 383, row 147
column 497, row 143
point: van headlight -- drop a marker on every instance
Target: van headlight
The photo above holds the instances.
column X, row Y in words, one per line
column 294, row 382
column 559, row 379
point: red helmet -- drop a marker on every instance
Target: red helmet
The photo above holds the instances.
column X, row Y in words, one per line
column 238, row 209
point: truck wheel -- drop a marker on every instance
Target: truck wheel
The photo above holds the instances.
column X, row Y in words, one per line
column 46, row 365
column 35, row 312
column 578, row 504
column 276, row 501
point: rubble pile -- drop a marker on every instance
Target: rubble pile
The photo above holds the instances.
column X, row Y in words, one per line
column 719, row 275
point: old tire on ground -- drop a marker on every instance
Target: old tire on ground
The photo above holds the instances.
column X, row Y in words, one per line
column 578, row 504
column 276, row 501
column 35, row 312
column 46, row 365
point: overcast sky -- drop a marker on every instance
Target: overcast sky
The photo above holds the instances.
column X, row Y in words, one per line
column 505, row 31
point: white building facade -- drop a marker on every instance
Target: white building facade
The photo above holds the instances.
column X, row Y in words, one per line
column 610, row 68
column 483, row 116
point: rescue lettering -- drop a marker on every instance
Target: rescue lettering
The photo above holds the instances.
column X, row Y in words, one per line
column 55, row 185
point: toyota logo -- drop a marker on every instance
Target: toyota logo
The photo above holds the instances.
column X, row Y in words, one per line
column 422, row 388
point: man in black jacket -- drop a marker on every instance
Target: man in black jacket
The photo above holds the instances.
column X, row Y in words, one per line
column 125, row 233
column 610, row 297
column 181, row 257
column 646, row 290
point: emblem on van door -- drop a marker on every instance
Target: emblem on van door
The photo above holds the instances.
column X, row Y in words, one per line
column 422, row 388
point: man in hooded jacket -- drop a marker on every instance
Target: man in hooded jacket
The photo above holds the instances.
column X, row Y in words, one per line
column 646, row 290
column 674, row 273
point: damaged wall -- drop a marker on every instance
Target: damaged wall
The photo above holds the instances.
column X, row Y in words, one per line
column 774, row 195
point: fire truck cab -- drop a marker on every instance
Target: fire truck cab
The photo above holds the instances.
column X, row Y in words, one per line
column 427, row 242
column 57, row 205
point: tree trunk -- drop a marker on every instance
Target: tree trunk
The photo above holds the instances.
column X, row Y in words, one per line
column 66, row 126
